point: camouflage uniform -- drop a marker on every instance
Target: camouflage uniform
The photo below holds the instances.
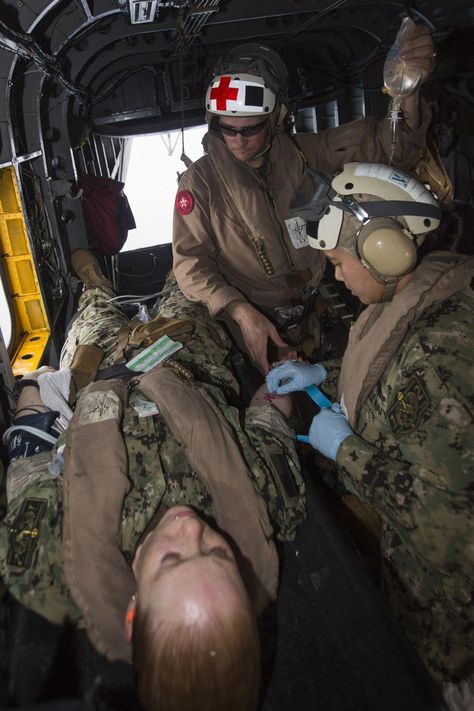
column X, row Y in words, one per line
column 31, row 559
column 88, row 329
column 206, row 354
column 413, row 462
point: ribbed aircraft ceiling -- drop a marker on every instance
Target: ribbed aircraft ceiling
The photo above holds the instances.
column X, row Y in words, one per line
column 141, row 66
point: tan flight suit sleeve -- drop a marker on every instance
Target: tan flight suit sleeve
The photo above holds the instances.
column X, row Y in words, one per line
column 366, row 140
column 195, row 252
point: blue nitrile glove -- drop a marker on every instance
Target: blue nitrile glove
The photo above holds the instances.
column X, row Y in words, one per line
column 328, row 429
column 293, row 375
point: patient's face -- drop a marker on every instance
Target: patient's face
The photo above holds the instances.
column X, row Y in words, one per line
column 185, row 566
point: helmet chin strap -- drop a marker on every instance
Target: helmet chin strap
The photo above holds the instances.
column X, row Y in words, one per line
column 389, row 287
column 264, row 150
column 389, row 291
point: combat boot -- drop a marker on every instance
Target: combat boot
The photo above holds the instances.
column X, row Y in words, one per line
column 87, row 268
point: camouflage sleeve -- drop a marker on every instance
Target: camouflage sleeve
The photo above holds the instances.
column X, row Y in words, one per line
column 333, row 368
column 31, row 560
column 276, row 469
column 413, row 460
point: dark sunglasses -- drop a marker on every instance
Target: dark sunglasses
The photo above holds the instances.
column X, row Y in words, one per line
column 248, row 131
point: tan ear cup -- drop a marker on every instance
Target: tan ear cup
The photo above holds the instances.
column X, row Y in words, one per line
column 385, row 248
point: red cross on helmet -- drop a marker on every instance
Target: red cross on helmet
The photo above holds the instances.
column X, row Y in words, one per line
column 240, row 95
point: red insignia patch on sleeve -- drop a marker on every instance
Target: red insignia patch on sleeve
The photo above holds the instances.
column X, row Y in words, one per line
column 184, row 202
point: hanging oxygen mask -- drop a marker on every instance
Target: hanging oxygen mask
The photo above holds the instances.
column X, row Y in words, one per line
column 313, row 199
column 400, row 80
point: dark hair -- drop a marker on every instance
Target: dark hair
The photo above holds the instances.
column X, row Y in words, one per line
column 198, row 668
column 454, row 234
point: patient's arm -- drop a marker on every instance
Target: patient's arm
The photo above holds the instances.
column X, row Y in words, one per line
column 283, row 402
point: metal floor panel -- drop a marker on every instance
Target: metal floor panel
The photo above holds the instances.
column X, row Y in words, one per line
column 338, row 649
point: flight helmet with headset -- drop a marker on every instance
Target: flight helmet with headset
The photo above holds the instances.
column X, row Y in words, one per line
column 377, row 213
column 251, row 80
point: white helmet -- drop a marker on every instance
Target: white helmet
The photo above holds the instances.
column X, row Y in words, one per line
column 239, row 95
column 251, row 80
column 379, row 214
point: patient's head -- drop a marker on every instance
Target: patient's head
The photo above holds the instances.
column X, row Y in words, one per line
column 195, row 639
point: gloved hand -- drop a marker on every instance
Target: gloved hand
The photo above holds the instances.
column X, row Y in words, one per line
column 328, row 429
column 296, row 376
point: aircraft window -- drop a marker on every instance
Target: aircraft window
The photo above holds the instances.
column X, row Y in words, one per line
column 151, row 183
column 5, row 317
column 327, row 115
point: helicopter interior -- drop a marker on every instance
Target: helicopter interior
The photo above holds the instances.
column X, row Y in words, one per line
column 79, row 79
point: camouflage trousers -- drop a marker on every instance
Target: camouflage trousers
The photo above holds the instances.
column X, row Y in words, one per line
column 31, row 556
column 97, row 323
column 205, row 355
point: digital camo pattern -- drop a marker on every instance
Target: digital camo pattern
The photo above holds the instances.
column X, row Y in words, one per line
column 207, row 353
column 329, row 385
column 31, row 532
column 267, row 443
column 31, row 562
column 159, row 473
column 276, row 468
column 91, row 330
column 415, row 465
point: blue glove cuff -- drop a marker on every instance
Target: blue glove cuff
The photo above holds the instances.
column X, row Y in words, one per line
column 336, row 443
column 318, row 371
column 328, row 430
